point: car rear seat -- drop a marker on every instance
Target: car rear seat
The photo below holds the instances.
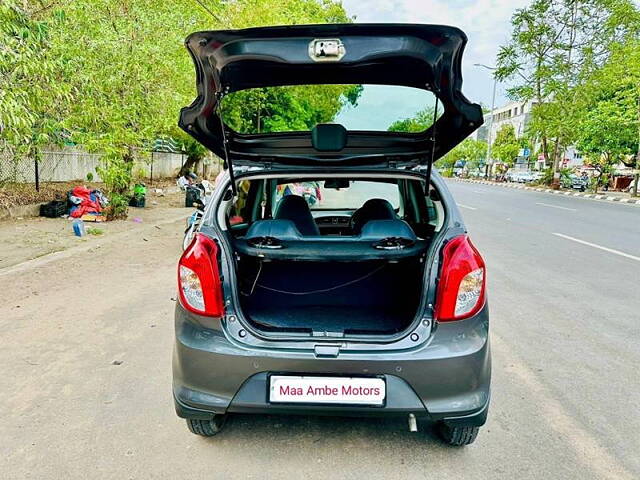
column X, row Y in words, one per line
column 372, row 209
column 287, row 230
column 296, row 209
column 279, row 239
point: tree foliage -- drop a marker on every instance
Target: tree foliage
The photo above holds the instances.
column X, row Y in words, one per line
column 113, row 75
column 506, row 145
column 31, row 85
column 555, row 45
column 422, row 120
column 289, row 108
column 610, row 108
column 472, row 152
column 609, row 125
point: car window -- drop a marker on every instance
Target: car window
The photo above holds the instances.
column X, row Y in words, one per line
column 357, row 107
column 351, row 197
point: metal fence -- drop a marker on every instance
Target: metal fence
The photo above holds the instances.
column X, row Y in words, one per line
column 74, row 164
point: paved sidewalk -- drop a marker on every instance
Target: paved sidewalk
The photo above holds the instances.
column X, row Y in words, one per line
column 606, row 196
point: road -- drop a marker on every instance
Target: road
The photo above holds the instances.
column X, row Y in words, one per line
column 86, row 379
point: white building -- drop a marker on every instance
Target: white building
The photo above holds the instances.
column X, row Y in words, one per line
column 518, row 114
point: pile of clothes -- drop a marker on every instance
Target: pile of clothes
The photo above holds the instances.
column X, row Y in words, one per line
column 86, row 202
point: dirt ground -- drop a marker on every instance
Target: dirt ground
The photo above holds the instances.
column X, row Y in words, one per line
column 23, row 239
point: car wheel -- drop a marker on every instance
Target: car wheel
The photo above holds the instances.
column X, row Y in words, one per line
column 206, row 428
column 458, row 436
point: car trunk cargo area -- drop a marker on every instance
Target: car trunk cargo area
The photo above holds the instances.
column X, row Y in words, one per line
column 359, row 297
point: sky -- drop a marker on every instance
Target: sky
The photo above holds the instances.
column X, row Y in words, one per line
column 486, row 23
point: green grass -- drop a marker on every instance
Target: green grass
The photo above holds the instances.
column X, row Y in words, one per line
column 95, row 231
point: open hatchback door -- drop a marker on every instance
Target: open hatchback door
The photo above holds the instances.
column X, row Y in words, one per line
column 426, row 57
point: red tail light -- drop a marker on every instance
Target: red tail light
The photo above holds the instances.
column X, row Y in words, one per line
column 461, row 290
column 199, row 283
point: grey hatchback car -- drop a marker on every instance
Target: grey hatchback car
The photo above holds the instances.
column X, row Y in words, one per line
column 332, row 273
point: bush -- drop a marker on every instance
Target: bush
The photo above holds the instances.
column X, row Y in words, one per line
column 118, row 207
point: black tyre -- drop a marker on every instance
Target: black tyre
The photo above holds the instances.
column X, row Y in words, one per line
column 458, row 436
column 206, row 428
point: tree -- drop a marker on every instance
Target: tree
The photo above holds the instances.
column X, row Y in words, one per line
column 32, row 88
column 506, row 146
column 609, row 127
column 553, row 47
column 129, row 73
column 289, row 108
column 471, row 151
column 422, row 120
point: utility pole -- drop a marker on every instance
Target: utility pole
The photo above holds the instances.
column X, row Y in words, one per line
column 488, row 163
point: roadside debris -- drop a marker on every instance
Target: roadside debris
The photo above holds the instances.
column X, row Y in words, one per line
column 93, row 218
column 85, row 201
column 78, row 228
column 53, row 209
column 138, row 199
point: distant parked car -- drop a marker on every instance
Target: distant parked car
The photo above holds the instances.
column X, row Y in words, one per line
column 477, row 174
column 526, row 177
column 575, row 182
column 520, row 177
column 537, row 176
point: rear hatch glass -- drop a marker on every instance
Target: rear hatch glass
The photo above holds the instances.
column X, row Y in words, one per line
column 299, row 108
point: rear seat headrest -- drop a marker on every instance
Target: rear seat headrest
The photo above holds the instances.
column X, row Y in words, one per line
column 296, row 209
column 372, row 209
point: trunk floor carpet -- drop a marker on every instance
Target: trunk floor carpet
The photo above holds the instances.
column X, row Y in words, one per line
column 332, row 319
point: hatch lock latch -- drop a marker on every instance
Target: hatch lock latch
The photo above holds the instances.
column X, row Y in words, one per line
column 326, row 50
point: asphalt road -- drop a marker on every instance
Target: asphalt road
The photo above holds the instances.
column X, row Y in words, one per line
column 86, row 345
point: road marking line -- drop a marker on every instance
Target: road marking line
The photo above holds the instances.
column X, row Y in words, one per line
column 466, row 206
column 610, row 250
column 479, row 191
column 556, row 206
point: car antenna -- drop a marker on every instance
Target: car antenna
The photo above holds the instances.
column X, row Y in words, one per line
column 226, row 162
column 433, row 145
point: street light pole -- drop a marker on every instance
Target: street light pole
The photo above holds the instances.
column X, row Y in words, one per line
column 488, row 164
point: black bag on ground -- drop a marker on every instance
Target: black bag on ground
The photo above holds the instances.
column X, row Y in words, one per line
column 137, row 201
column 53, row 209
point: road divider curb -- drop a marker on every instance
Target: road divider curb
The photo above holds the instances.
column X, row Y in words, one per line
column 606, row 198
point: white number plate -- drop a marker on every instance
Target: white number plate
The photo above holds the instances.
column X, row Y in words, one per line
column 337, row 390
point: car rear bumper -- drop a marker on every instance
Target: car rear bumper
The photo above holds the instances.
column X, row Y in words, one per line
column 447, row 378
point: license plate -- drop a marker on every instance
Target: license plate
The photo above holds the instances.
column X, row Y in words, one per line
column 330, row 390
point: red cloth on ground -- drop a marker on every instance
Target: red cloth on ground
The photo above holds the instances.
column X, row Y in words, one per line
column 87, row 205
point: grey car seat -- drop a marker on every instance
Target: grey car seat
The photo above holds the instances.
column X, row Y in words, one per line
column 372, row 209
column 296, row 209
